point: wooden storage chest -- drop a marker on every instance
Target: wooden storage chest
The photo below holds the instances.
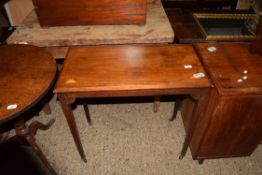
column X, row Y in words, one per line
column 231, row 125
column 88, row 12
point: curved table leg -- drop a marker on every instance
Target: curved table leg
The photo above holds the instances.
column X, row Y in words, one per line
column 23, row 132
column 34, row 126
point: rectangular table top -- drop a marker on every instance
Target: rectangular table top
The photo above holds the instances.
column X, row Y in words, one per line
column 112, row 68
column 232, row 68
column 156, row 30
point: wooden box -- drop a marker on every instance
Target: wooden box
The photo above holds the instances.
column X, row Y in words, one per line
column 231, row 124
column 90, row 12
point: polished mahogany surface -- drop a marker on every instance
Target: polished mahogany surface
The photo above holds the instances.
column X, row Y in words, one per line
column 130, row 68
column 26, row 73
column 232, row 67
column 87, row 12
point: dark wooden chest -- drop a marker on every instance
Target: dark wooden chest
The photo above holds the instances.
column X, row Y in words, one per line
column 88, row 12
column 231, row 124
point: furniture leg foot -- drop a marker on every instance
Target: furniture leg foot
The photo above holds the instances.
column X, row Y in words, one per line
column 156, row 103
column 181, row 157
column 184, row 149
column 201, row 161
column 84, row 159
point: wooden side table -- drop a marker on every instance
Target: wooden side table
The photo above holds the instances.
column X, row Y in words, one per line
column 131, row 70
column 232, row 124
column 27, row 74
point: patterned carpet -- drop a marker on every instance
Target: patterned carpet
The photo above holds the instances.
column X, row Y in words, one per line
column 128, row 139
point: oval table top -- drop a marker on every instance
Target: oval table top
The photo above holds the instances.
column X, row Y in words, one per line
column 26, row 74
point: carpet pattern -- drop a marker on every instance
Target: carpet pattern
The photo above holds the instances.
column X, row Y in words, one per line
column 128, row 139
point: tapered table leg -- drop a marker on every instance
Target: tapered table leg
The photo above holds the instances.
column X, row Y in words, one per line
column 177, row 106
column 199, row 105
column 86, row 109
column 73, row 128
column 188, row 133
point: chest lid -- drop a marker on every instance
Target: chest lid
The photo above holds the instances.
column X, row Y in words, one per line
column 231, row 67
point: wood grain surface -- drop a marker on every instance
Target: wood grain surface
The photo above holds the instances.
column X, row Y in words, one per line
column 232, row 67
column 156, row 30
column 130, row 70
column 82, row 12
column 26, row 73
column 130, row 67
column 230, row 126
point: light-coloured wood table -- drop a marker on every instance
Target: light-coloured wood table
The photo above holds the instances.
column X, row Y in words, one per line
column 57, row 39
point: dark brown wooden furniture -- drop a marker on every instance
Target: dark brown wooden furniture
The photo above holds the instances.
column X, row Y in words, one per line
column 199, row 4
column 218, row 4
column 256, row 46
column 179, row 3
column 27, row 75
column 85, row 12
column 201, row 26
column 129, row 70
column 231, row 125
column 185, row 27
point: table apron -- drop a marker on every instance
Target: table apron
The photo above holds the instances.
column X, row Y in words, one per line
column 194, row 92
